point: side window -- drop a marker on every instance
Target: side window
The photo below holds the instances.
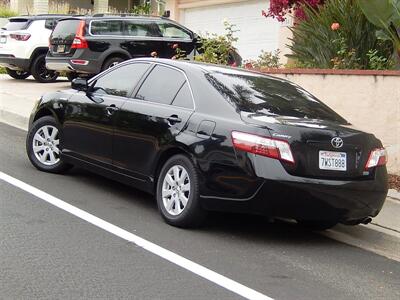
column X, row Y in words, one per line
column 170, row 30
column 142, row 29
column 184, row 97
column 120, row 81
column 161, row 85
column 106, row 27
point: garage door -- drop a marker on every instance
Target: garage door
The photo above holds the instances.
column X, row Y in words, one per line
column 256, row 32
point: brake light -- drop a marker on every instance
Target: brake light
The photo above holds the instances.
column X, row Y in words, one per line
column 264, row 146
column 20, row 36
column 79, row 41
column 377, row 157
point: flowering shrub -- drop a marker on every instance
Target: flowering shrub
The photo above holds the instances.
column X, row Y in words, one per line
column 265, row 60
column 279, row 8
column 329, row 38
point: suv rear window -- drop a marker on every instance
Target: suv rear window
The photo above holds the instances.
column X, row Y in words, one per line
column 65, row 29
column 17, row 24
column 270, row 96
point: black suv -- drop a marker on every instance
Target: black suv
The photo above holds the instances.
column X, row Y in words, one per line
column 92, row 44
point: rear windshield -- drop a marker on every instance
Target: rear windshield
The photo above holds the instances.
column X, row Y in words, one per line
column 65, row 30
column 270, row 96
column 17, row 24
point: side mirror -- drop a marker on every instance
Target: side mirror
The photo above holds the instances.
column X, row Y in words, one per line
column 79, row 84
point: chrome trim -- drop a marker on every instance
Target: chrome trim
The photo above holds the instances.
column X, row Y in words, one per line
column 59, row 66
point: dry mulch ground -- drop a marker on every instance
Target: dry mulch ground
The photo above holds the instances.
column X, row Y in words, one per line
column 394, row 182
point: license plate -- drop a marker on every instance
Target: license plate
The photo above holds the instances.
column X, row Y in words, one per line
column 330, row 160
column 3, row 39
column 61, row 48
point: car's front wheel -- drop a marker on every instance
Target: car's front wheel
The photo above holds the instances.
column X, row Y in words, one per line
column 40, row 72
column 178, row 196
column 42, row 146
column 18, row 74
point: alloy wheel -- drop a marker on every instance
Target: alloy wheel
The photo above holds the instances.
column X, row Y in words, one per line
column 176, row 190
column 45, row 145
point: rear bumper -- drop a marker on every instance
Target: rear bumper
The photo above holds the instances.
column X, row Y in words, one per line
column 282, row 195
column 13, row 63
column 66, row 64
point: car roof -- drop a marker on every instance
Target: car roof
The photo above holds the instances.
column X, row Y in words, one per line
column 118, row 16
column 204, row 67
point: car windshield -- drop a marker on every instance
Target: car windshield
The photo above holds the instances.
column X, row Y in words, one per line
column 255, row 93
column 16, row 24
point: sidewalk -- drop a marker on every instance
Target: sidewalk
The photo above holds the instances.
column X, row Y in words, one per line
column 17, row 98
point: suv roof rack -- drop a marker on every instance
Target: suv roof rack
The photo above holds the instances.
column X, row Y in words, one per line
column 125, row 15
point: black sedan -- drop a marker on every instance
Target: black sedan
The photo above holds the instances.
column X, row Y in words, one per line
column 203, row 137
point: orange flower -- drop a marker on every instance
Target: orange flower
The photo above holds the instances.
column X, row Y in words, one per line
column 335, row 26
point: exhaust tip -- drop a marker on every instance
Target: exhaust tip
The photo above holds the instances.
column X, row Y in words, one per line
column 366, row 221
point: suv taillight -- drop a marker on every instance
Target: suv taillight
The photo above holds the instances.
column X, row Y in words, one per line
column 377, row 157
column 264, row 146
column 20, row 36
column 79, row 41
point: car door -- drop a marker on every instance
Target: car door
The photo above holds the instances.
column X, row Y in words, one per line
column 151, row 120
column 175, row 37
column 142, row 38
column 88, row 125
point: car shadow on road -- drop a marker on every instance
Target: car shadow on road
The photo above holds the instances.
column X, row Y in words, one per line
column 253, row 228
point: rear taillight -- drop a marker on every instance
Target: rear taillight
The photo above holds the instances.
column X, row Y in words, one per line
column 264, row 146
column 79, row 41
column 377, row 157
column 20, row 36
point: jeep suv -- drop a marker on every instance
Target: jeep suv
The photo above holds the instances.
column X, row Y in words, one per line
column 91, row 44
column 23, row 46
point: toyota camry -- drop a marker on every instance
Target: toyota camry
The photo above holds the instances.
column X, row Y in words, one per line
column 209, row 138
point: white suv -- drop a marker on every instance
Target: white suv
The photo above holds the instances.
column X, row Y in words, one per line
column 23, row 46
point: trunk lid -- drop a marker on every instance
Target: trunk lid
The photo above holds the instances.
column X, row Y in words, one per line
column 318, row 145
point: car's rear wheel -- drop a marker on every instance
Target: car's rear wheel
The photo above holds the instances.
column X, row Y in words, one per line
column 17, row 74
column 178, row 196
column 42, row 146
column 111, row 62
column 40, row 72
column 317, row 225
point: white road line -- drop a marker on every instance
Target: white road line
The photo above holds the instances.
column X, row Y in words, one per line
column 174, row 258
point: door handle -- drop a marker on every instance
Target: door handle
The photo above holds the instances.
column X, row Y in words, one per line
column 111, row 109
column 174, row 119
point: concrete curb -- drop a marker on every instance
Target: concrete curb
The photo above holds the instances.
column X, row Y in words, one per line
column 394, row 194
column 14, row 119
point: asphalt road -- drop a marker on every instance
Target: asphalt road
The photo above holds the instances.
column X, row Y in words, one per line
column 48, row 253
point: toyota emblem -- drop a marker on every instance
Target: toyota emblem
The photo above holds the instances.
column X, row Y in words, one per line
column 337, row 142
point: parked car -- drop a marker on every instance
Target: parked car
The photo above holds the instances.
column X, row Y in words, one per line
column 24, row 42
column 203, row 137
column 89, row 45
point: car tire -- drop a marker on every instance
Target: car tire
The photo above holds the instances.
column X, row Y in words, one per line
column 317, row 225
column 18, row 74
column 40, row 72
column 111, row 62
column 178, row 198
column 42, row 146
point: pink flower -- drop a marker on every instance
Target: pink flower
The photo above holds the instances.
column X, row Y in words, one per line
column 154, row 54
column 234, row 64
column 174, row 46
column 248, row 65
column 335, row 26
column 173, row 57
column 264, row 13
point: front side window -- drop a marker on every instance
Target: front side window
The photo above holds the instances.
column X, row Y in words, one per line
column 169, row 30
column 106, row 27
column 162, row 85
column 121, row 81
